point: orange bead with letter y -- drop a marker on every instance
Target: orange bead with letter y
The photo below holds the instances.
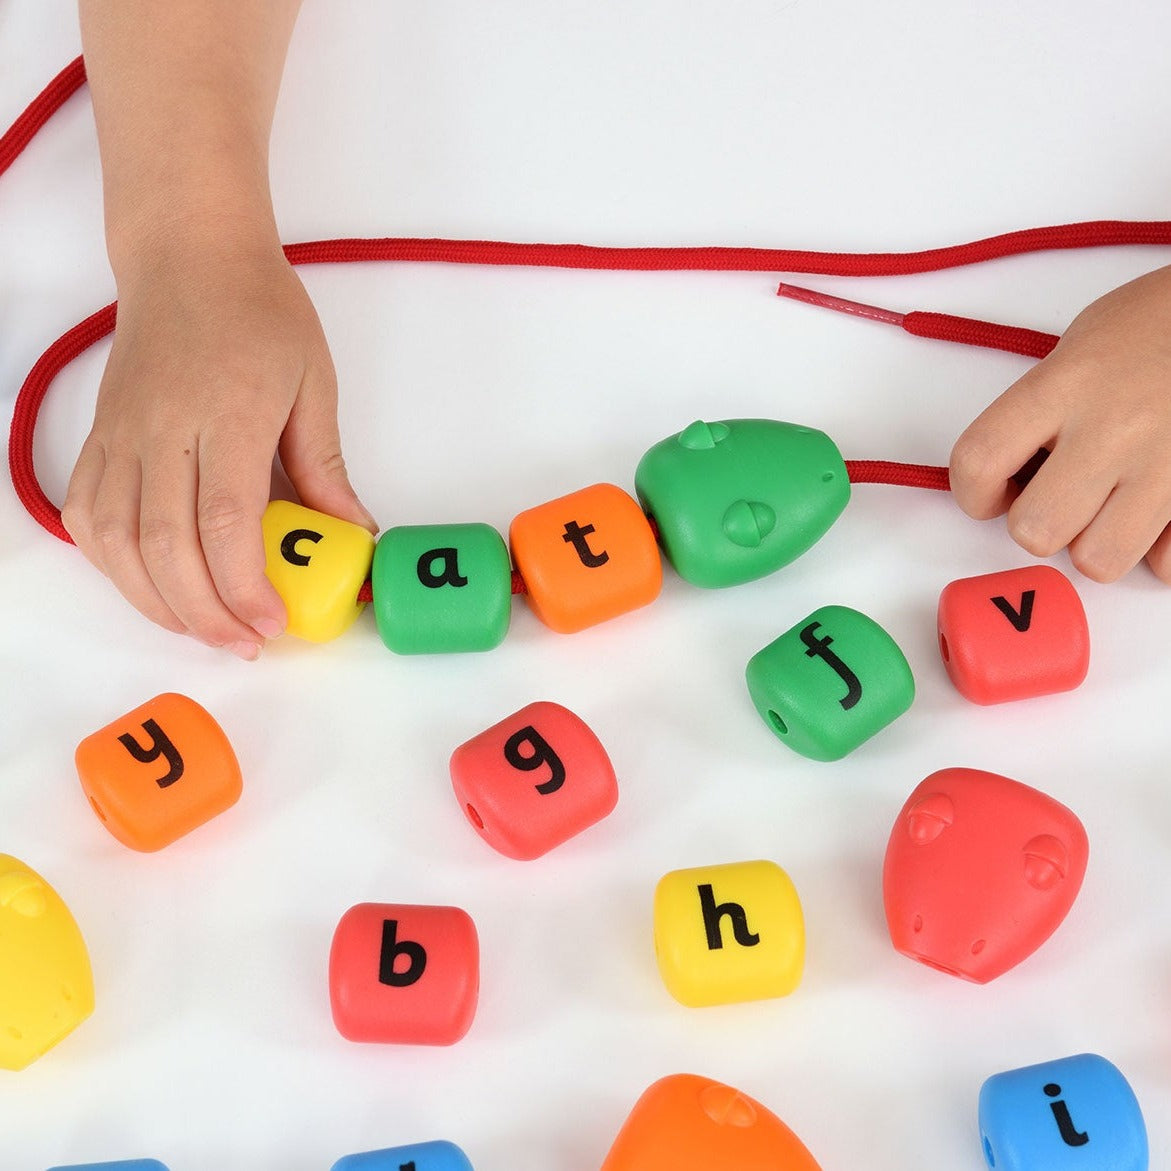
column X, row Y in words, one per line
column 158, row 772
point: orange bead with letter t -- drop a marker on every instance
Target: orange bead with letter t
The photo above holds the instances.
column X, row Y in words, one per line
column 158, row 772
column 586, row 557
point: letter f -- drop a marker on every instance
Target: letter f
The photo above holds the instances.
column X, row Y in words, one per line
column 818, row 648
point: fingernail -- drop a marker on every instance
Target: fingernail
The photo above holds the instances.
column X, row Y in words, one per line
column 244, row 650
column 268, row 628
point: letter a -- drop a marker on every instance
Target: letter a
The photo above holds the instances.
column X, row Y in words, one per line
column 450, row 575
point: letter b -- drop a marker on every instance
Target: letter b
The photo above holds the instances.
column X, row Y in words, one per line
column 404, row 974
column 392, row 948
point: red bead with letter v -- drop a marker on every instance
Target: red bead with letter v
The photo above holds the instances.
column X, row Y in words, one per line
column 1013, row 635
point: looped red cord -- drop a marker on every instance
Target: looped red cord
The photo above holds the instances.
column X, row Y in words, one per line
column 39, row 111
column 1092, row 234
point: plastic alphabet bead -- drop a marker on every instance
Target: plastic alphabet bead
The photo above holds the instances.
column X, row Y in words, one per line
column 534, row 780
column 46, row 984
column 830, row 683
column 317, row 564
column 688, row 1123
column 586, row 557
column 1013, row 635
column 729, row 933
column 1075, row 1114
column 441, row 588
column 436, row 1156
column 158, row 772
column 404, row 974
column 733, row 501
column 118, row 1165
column 736, row 500
column 979, row 871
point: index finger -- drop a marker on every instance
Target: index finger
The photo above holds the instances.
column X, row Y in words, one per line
column 233, row 492
column 1002, row 447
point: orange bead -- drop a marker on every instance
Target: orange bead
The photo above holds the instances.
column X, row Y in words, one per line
column 689, row 1123
column 586, row 557
column 158, row 772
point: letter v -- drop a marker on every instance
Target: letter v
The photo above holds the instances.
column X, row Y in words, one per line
column 1022, row 618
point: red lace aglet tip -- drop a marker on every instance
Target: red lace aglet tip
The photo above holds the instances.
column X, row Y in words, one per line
column 840, row 304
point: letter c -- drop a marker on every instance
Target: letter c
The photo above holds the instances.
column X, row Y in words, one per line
column 289, row 545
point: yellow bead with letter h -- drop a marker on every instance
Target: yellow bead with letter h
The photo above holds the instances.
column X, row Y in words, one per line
column 729, row 933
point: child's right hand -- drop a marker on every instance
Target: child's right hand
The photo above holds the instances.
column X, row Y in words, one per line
column 1100, row 403
column 218, row 364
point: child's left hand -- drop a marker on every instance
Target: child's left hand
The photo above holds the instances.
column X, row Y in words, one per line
column 1101, row 404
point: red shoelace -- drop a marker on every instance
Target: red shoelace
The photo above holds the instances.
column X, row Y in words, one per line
column 942, row 326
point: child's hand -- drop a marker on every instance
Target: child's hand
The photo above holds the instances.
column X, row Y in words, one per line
column 218, row 361
column 1101, row 404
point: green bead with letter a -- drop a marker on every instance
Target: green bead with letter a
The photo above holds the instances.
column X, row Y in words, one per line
column 442, row 588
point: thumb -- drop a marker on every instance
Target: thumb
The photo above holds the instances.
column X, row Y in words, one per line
column 311, row 454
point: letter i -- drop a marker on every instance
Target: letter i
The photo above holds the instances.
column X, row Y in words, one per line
column 1071, row 1136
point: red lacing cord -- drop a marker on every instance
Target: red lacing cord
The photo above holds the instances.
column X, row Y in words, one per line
column 40, row 110
column 1093, row 234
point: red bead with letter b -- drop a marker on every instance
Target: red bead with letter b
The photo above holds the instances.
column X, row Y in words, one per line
column 404, row 974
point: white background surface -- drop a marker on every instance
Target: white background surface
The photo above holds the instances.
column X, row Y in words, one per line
column 470, row 394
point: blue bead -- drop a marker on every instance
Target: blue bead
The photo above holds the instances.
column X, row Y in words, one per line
column 1078, row 1112
column 118, row 1165
column 436, row 1156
